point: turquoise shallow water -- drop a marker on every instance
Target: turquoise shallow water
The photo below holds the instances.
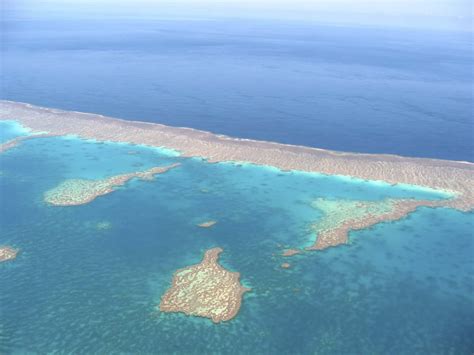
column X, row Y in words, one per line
column 403, row 287
column 10, row 130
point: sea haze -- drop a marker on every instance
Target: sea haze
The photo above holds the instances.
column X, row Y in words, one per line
column 374, row 90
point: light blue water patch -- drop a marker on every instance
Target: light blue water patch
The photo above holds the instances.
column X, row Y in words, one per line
column 10, row 130
column 88, row 159
column 78, row 288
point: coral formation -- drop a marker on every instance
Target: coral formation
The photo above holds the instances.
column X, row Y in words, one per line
column 205, row 290
column 7, row 253
column 75, row 192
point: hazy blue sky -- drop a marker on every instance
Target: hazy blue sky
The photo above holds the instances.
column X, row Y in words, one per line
column 452, row 14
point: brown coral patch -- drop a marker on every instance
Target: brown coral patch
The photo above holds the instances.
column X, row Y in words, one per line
column 205, row 290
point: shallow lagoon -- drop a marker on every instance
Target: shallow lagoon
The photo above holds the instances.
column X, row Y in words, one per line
column 399, row 287
column 10, row 130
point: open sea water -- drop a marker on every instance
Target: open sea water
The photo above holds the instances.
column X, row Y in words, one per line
column 361, row 89
column 397, row 288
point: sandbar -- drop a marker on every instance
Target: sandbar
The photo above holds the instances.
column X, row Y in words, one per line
column 205, row 290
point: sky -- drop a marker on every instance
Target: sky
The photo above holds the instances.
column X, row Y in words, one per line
column 432, row 14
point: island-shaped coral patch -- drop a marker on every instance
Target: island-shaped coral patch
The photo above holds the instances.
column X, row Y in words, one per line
column 342, row 216
column 291, row 252
column 207, row 224
column 75, row 192
column 205, row 290
column 7, row 253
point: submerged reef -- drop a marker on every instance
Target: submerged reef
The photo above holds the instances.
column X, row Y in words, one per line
column 75, row 192
column 205, row 290
column 290, row 252
column 7, row 253
column 104, row 225
column 342, row 216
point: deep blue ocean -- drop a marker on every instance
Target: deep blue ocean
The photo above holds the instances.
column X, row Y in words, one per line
column 397, row 288
column 376, row 90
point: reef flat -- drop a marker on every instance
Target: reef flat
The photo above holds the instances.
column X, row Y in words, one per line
column 205, row 290
column 342, row 216
column 7, row 253
column 73, row 192
column 451, row 176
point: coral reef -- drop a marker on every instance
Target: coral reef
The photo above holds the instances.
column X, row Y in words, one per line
column 454, row 177
column 7, row 253
column 207, row 224
column 205, row 290
column 342, row 216
column 75, row 192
